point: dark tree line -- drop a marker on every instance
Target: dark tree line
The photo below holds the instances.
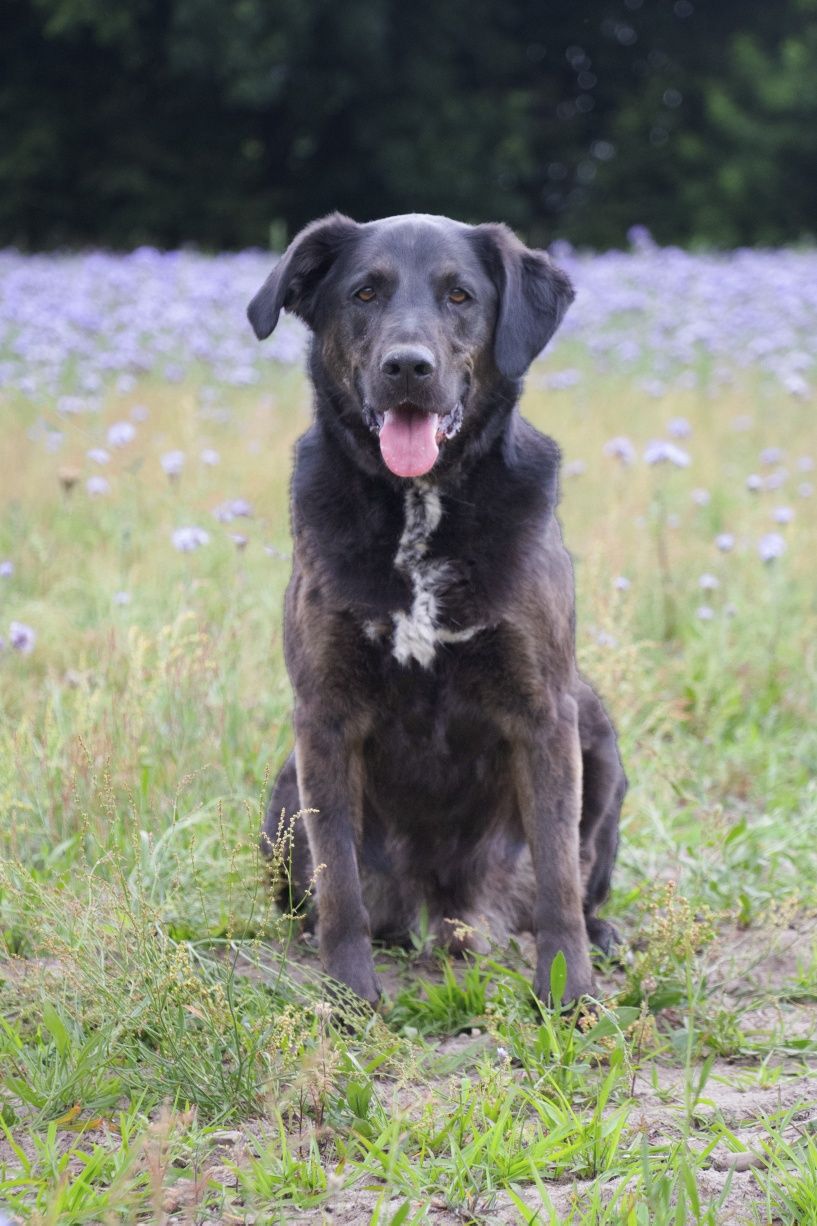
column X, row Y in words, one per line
column 232, row 122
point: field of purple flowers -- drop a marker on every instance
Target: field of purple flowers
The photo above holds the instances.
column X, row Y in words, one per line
column 166, row 1049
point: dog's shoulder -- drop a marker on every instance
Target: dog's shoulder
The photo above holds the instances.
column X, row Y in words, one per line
column 329, row 492
column 533, row 462
column 506, row 507
column 346, row 526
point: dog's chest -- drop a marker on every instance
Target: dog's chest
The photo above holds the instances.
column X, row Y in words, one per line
column 417, row 634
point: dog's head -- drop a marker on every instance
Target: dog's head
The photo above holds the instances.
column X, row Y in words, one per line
column 416, row 320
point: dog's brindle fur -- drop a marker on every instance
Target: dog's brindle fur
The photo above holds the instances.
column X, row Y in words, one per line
column 449, row 753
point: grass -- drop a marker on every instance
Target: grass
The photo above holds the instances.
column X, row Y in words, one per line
column 168, row 1049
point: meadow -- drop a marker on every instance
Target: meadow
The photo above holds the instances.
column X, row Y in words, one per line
column 168, row 1049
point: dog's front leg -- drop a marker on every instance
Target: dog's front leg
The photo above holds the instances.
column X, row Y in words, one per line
column 330, row 782
column 548, row 771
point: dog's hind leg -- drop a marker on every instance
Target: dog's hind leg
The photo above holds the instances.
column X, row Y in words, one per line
column 389, row 893
column 603, row 788
column 284, row 838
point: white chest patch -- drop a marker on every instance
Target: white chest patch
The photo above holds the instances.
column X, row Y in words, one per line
column 418, row 633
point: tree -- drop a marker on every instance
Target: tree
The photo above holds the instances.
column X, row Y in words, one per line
column 215, row 121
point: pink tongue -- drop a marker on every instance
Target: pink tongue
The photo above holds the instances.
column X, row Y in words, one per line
column 408, row 441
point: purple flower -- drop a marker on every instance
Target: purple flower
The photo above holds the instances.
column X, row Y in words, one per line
column 795, row 384
column 771, row 546
column 238, row 540
column 622, row 583
column 71, row 406
column 754, row 483
column 620, row 448
column 771, row 455
column 701, row 498
column 708, row 582
column 805, row 464
column 22, row 637
column 6, row 570
column 776, row 479
column 140, row 412
column 679, row 427
column 233, row 508
column 121, row 433
column 641, row 240
column 660, row 452
column 188, row 539
column 805, row 489
column 725, row 541
column 575, row 468
column 704, row 613
column 98, row 455
column 210, row 457
column 172, row 462
column 78, row 329
column 782, row 515
column 96, row 486
column 121, row 598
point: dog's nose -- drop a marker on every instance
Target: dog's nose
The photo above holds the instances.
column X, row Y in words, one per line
column 408, row 361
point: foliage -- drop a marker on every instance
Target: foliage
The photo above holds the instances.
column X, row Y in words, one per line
column 228, row 124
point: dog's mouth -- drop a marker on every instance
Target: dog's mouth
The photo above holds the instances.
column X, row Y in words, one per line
column 410, row 437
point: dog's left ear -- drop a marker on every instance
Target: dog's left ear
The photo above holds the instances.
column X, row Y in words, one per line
column 533, row 296
column 294, row 280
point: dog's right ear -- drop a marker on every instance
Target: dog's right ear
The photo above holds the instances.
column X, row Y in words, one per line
column 294, row 280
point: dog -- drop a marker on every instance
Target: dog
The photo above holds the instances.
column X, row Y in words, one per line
column 449, row 760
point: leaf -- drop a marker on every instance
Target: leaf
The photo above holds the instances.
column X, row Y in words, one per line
column 611, row 1024
column 736, row 831
column 11, row 1034
column 528, row 1215
column 24, row 1091
column 558, row 979
column 56, row 1028
column 16, row 1149
column 95, row 1121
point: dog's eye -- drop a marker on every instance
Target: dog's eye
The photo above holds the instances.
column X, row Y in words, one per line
column 366, row 294
column 458, row 296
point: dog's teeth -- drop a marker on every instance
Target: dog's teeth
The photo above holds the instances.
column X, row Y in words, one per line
column 453, row 421
column 371, row 419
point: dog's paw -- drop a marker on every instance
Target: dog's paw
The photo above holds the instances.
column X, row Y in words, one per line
column 604, row 936
column 352, row 964
column 578, row 977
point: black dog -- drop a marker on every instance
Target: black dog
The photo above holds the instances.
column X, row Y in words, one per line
column 452, row 754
